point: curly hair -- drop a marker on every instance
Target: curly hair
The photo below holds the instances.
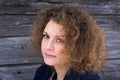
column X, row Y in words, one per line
column 85, row 42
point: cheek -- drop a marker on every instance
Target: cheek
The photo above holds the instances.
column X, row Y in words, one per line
column 60, row 49
column 42, row 45
column 62, row 56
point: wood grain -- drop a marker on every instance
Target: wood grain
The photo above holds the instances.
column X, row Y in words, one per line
column 106, row 9
column 18, row 72
column 14, row 50
column 20, row 25
column 15, row 25
column 112, row 42
column 111, row 70
column 83, row 2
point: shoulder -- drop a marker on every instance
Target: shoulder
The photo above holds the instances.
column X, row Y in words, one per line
column 42, row 68
column 91, row 76
column 76, row 76
column 42, row 71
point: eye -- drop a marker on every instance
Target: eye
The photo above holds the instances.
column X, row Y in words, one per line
column 45, row 36
column 59, row 40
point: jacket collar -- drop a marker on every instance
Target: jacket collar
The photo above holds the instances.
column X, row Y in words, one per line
column 71, row 75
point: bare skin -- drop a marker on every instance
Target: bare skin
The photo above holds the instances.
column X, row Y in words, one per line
column 61, row 71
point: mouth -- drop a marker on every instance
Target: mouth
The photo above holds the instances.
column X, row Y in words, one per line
column 49, row 55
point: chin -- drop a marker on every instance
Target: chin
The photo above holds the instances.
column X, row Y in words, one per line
column 49, row 63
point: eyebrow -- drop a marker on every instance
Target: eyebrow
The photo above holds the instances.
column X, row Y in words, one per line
column 55, row 36
column 44, row 32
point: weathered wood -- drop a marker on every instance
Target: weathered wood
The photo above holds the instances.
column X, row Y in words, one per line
column 18, row 72
column 16, row 2
column 27, row 2
column 108, row 22
column 81, row 1
column 16, row 9
column 111, row 70
column 15, row 25
column 15, row 51
column 20, row 25
column 113, row 41
column 111, row 8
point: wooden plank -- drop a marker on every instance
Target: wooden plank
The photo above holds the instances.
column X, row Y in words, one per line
column 20, row 25
column 33, row 8
column 106, row 9
column 81, row 1
column 15, row 25
column 14, row 50
column 113, row 41
column 17, row 2
column 19, row 9
column 108, row 22
column 111, row 70
column 26, row 2
column 112, row 66
column 18, row 72
column 26, row 72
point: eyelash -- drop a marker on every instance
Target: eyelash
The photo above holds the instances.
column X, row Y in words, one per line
column 58, row 40
column 45, row 36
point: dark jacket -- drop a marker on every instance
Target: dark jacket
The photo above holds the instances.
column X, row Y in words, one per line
column 44, row 72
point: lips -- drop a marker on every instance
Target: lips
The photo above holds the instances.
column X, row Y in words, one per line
column 49, row 55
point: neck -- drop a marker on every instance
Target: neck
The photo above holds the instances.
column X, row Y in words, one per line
column 61, row 71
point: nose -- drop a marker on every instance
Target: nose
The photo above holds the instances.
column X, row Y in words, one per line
column 50, row 45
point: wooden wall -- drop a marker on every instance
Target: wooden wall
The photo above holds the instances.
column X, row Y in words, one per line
column 16, row 18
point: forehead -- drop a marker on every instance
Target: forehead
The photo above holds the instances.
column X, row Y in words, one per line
column 54, row 28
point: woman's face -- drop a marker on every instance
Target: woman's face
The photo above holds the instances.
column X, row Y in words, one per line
column 53, row 44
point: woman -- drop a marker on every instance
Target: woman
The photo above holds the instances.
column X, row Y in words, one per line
column 71, row 43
